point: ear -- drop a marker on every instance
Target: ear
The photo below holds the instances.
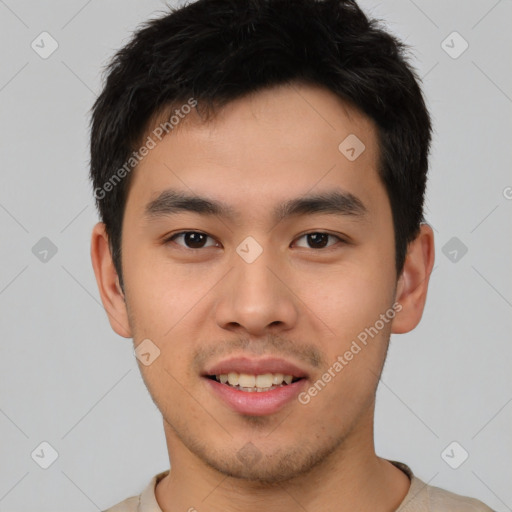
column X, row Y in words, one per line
column 412, row 285
column 107, row 279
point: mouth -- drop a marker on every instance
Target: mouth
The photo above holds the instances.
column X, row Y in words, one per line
column 255, row 387
column 254, row 383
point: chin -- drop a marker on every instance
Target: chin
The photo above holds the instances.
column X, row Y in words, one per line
column 266, row 466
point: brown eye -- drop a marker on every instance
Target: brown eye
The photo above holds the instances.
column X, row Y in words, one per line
column 318, row 240
column 192, row 239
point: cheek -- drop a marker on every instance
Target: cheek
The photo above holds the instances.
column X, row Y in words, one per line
column 351, row 305
column 152, row 296
column 348, row 298
column 169, row 304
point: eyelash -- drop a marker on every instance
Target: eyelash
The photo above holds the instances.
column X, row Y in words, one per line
column 176, row 235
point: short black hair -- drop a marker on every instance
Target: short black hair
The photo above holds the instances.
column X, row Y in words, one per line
column 216, row 51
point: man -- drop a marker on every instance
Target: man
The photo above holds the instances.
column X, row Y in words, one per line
column 260, row 169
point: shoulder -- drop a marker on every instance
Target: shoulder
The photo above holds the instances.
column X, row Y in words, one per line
column 442, row 500
column 428, row 498
column 127, row 505
column 145, row 501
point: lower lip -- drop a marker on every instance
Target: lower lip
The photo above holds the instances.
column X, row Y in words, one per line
column 256, row 403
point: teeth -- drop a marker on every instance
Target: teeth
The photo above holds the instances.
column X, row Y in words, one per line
column 232, row 378
column 246, row 381
column 277, row 378
column 264, row 381
column 258, row 383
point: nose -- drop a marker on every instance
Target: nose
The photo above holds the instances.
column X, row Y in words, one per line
column 255, row 297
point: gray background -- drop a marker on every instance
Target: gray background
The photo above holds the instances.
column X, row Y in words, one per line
column 66, row 378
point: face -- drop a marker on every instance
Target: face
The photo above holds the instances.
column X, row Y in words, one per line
column 282, row 272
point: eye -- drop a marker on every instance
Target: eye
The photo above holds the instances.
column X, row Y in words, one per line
column 318, row 240
column 192, row 239
column 198, row 240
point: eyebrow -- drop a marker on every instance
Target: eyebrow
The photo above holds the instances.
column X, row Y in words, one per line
column 334, row 202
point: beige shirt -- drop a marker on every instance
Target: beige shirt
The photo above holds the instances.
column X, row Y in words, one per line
column 420, row 498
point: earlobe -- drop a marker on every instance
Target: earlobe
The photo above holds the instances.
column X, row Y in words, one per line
column 111, row 294
column 412, row 285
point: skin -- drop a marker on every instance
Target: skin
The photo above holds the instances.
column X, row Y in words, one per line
column 294, row 301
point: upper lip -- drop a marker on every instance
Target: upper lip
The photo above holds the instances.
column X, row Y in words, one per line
column 255, row 367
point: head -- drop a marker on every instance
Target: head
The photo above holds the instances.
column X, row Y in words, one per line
column 260, row 168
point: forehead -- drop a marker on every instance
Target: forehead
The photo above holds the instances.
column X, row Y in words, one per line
column 270, row 146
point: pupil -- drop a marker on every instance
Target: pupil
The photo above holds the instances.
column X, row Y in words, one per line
column 318, row 239
column 194, row 238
